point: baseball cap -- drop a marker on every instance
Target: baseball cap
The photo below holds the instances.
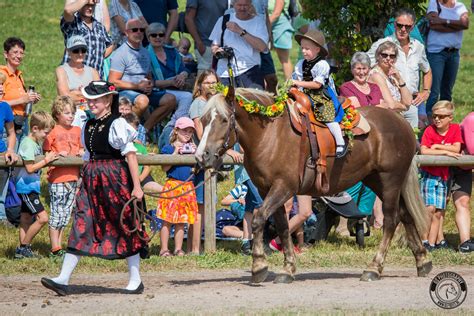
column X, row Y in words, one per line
column 184, row 122
column 76, row 41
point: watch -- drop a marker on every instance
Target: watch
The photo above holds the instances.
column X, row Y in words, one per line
column 448, row 22
column 243, row 33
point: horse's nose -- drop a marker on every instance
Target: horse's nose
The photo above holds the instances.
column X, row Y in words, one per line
column 202, row 157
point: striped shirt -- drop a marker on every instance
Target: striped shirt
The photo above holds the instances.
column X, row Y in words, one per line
column 96, row 38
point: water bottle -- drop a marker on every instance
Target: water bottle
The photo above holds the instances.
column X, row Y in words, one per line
column 29, row 105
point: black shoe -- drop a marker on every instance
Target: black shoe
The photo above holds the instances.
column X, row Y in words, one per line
column 443, row 244
column 343, row 152
column 60, row 289
column 138, row 290
column 246, row 248
column 467, row 246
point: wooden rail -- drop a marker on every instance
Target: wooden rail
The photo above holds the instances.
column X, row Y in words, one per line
column 210, row 187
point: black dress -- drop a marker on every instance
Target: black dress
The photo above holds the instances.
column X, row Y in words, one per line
column 106, row 187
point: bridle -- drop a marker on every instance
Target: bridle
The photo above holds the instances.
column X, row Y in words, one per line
column 232, row 128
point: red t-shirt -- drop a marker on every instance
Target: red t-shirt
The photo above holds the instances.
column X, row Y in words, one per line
column 63, row 139
column 431, row 137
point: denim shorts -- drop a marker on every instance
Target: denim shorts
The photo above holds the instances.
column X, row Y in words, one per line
column 199, row 191
column 154, row 97
column 267, row 66
column 252, row 199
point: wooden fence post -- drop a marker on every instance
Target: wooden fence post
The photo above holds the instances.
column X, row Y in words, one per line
column 210, row 198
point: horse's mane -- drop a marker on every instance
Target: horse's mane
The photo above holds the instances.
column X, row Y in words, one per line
column 218, row 101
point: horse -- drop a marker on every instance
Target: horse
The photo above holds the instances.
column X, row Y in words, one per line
column 381, row 159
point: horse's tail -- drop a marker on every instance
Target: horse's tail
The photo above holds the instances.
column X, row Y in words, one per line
column 413, row 201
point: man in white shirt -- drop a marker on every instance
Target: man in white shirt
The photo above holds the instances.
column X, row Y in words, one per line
column 411, row 59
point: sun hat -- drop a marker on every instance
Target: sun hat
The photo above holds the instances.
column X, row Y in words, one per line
column 76, row 41
column 316, row 37
column 97, row 89
column 184, row 122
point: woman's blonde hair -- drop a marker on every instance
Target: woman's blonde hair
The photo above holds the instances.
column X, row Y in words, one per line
column 198, row 83
column 443, row 105
column 42, row 120
column 60, row 104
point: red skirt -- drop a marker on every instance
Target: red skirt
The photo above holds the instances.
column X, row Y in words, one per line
column 96, row 230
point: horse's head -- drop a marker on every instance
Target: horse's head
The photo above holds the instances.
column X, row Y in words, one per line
column 219, row 130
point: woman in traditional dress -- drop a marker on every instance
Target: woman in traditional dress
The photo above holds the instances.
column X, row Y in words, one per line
column 109, row 181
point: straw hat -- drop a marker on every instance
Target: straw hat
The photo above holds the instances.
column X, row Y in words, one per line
column 316, row 37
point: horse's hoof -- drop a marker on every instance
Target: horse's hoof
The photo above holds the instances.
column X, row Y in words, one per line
column 260, row 275
column 284, row 278
column 425, row 269
column 370, row 276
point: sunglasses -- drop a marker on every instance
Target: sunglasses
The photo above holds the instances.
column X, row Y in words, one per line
column 406, row 26
column 392, row 56
column 79, row 50
column 154, row 35
column 440, row 116
column 136, row 29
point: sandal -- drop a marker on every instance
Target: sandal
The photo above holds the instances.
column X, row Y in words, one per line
column 165, row 253
column 179, row 253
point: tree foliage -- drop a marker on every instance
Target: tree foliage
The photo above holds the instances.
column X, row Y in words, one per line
column 352, row 26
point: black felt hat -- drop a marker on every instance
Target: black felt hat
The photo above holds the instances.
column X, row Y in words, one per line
column 97, row 89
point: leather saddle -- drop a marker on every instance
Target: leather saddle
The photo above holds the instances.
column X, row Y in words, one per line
column 322, row 143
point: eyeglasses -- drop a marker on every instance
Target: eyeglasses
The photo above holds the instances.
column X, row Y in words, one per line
column 209, row 83
column 440, row 116
column 157, row 35
column 79, row 50
column 406, row 26
column 384, row 55
column 136, row 29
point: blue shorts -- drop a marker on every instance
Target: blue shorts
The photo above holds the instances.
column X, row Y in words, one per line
column 267, row 67
column 434, row 190
column 154, row 97
column 252, row 199
column 199, row 191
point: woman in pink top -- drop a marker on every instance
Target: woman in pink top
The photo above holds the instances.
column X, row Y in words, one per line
column 358, row 90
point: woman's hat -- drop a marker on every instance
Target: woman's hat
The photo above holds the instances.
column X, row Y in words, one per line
column 97, row 89
column 316, row 37
column 184, row 122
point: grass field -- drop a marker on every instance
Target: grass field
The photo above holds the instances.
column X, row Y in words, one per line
column 37, row 23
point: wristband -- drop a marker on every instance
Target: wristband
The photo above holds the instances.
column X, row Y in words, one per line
column 427, row 90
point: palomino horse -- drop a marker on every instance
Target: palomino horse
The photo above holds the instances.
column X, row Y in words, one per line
column 382, row 160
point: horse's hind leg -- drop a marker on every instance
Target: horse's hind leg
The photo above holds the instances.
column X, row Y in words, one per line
column 289, row 266
column 278, row 194
column 390, row 199
column 423, row 265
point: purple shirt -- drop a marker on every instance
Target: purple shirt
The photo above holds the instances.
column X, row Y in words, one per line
column 348, row 89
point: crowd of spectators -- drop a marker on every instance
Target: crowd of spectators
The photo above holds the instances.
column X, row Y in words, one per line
column 130, row 44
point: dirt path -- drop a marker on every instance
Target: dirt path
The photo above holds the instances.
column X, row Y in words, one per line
column 228, row 291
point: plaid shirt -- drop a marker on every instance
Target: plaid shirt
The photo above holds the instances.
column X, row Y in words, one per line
column 96, row 38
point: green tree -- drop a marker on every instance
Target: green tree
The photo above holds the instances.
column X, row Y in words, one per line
column 352, row 26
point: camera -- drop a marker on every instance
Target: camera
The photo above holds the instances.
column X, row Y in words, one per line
column 227, row 52
column 187, row 149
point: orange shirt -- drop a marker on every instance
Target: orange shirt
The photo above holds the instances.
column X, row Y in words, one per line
column 63, row 139
column 14, row 88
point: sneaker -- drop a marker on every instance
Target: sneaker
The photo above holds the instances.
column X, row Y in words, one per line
column 28, row 253
column 443, row 244
column 246, row 248
column 18, row 253
column 428, row 247
column 275, row 246
column 467, row 246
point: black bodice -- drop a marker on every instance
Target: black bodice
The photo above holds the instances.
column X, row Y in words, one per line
column 96, row 138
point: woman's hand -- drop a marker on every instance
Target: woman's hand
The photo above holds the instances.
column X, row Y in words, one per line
column 137, row 192
column 236, row 156
column 180, row 80
column 10, row 157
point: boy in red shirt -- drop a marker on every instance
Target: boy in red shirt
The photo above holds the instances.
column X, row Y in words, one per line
column 64, row 140
column 440, row 138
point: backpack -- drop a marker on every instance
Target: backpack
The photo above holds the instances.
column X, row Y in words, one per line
column 293, row 9
column 181, row 27
column 12, row 204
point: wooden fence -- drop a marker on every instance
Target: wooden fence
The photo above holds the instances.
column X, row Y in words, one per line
column 210, row 187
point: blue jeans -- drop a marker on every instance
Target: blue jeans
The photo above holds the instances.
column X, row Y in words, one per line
column 444, row 66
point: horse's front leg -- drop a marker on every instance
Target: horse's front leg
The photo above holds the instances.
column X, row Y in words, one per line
column 289, row 266
column 278, row 194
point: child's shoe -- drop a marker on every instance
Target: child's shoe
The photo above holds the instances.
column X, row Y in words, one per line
column 25, row 252
column 467, row 246
column 246, row 247
column 341, row 150
column 443, row 244
column 428, row 247
column 57, row 254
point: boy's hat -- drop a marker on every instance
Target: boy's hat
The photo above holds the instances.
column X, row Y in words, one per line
column 76, row 41
column 184, row 122
column 97, row 89
column 316, row 37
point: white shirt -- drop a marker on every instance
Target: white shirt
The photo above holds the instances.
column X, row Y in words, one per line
column 409, row 65
column 246, row 56
column 437, row 41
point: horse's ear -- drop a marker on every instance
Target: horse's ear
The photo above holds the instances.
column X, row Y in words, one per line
column 230, row 95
